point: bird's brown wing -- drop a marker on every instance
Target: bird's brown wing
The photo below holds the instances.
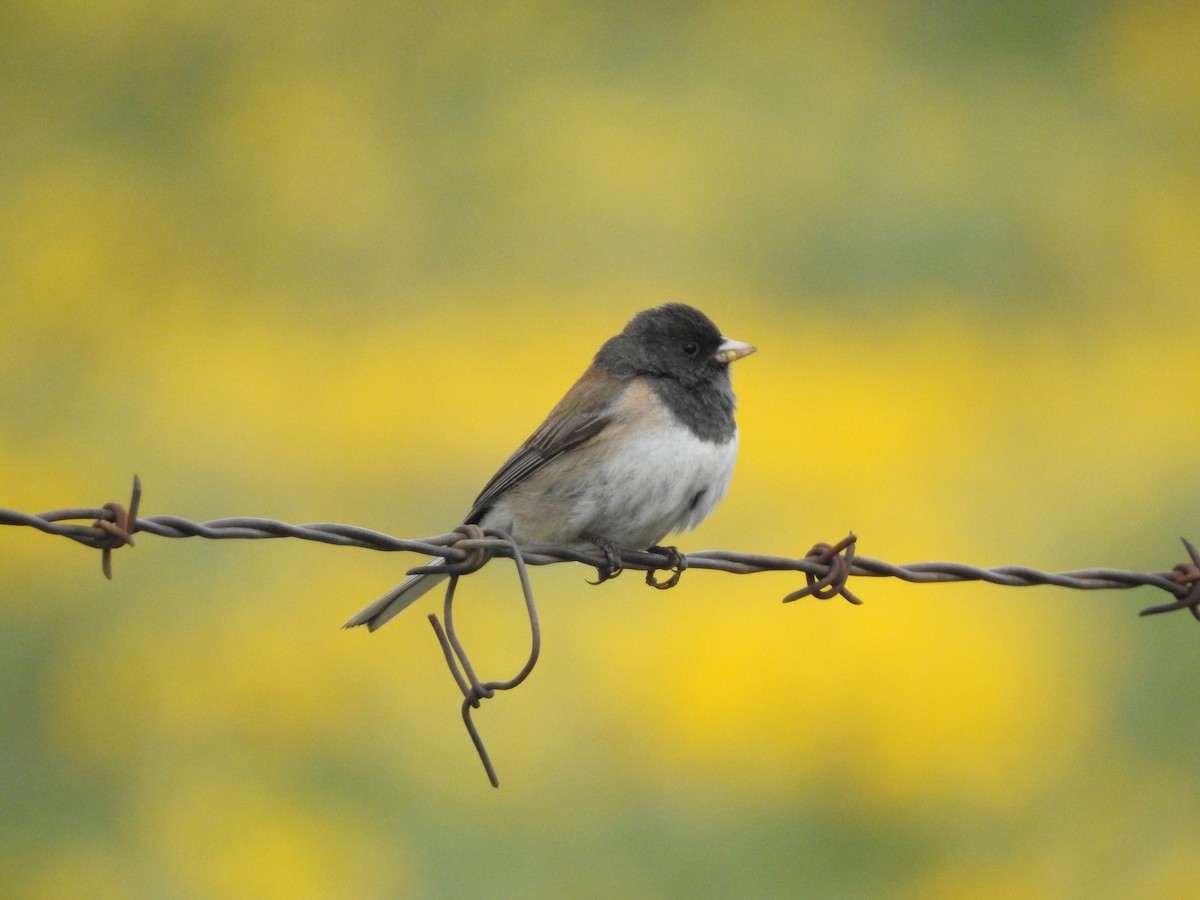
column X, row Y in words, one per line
column 586, row 409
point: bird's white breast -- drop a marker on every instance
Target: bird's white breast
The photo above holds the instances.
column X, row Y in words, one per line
column 646, row 475
column 664, row 481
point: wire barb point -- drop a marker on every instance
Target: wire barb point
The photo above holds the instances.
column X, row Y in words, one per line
column 1187, row 576
column 117, row 526
column 832, row 567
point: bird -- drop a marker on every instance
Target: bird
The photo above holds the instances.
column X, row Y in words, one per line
column 643, row 444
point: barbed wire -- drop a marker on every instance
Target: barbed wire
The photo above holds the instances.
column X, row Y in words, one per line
column 826, row 567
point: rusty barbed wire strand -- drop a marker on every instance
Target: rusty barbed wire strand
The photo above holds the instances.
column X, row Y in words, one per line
column 113, row 526
column 827, row 569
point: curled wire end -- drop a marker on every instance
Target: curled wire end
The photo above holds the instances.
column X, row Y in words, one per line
column 1185, row 575
column 118, row 527
column 473, row 689
column 836, row 560
column 476, row 557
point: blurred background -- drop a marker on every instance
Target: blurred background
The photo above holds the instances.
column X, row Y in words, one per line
column 333, row 262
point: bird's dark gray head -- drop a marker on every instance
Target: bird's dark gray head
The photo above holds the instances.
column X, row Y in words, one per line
column 673, row 341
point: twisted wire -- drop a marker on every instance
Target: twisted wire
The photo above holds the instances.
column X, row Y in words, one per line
column 114, row 525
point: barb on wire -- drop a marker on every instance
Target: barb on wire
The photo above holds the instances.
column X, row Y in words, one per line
column 837, row 558
column 1187, row 576
column 112, row 527
column 827, row 568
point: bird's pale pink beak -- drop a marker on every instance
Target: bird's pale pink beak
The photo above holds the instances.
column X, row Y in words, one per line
column 731, row 350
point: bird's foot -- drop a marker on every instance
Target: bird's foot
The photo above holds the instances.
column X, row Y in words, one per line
column 677, row 562
column 611, row 567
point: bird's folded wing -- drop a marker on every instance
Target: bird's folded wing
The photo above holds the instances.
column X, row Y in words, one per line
column 585, row 411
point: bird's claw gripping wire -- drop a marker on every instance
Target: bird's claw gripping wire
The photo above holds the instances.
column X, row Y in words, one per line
column 611, row 567
column 676, row 563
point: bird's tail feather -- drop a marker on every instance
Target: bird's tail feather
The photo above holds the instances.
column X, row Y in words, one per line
column 381, row 611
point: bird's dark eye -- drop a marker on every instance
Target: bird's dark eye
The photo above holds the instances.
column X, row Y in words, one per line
column 691, row 348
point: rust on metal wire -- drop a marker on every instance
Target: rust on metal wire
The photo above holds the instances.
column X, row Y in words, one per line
column 837, row 559
column 1187, row 576
column 118, row 528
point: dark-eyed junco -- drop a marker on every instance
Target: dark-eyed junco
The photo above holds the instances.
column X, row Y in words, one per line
column 641, row 445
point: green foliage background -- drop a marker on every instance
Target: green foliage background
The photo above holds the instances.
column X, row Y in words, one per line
column 332, row 262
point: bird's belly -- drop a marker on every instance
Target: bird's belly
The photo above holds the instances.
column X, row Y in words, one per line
column 666, row 482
